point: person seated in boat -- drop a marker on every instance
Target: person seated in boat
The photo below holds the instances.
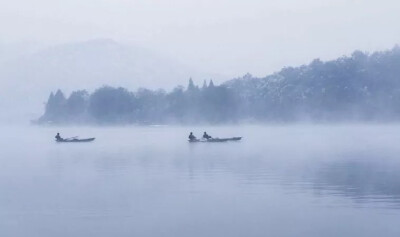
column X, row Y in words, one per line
column 58, row 137
column 206, row 136
column 192, row 137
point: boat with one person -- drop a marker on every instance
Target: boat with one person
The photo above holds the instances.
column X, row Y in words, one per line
column 73, row 139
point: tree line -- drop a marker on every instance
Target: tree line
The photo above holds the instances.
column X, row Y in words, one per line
column 112, row 105
column 358, row 87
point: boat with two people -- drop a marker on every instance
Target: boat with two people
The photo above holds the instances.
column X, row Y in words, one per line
column 73, row 139
column 208, row 138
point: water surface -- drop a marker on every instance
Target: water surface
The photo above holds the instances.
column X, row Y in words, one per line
column 298, row 180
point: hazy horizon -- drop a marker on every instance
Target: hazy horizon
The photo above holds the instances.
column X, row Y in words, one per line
column 226, row 37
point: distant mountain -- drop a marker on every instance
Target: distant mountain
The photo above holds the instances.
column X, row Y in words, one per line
column 88, row 65
column 11, row 51
column 96, row 62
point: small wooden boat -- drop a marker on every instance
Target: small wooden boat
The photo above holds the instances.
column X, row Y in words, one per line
column 217, row 139
column 76, row 140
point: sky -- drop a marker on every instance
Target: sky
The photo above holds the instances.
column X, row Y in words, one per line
column 229, row 37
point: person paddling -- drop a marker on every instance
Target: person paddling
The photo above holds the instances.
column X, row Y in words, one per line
column 206, row 136
column 58, row 137
column 192, row 137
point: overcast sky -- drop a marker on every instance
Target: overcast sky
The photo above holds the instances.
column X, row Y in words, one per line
column 230, row 37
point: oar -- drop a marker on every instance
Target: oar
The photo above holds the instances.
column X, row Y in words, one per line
column 71, row 137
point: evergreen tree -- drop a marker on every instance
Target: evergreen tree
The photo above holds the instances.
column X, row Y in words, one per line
column 211, row 85
column 77, row 103
column 191, row 87
column 112, row 105
column 50, row 105
column 204, row 85
column 59, row 98
column 55, row 107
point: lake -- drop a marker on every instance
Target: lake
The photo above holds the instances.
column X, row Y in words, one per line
column 282, row 180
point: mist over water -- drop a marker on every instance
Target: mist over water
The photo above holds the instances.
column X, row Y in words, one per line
column 284, row 180
column 324, row 91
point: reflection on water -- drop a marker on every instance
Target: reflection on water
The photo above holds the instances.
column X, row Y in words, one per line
column 362, row 180
column 278, row 181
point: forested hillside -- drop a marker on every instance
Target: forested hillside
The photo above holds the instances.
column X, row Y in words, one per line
column 361, row 87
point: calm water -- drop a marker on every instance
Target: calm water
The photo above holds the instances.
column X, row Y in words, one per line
column 149, row 181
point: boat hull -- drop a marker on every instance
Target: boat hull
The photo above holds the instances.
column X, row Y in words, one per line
column 78, row 140
column 217, row 139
